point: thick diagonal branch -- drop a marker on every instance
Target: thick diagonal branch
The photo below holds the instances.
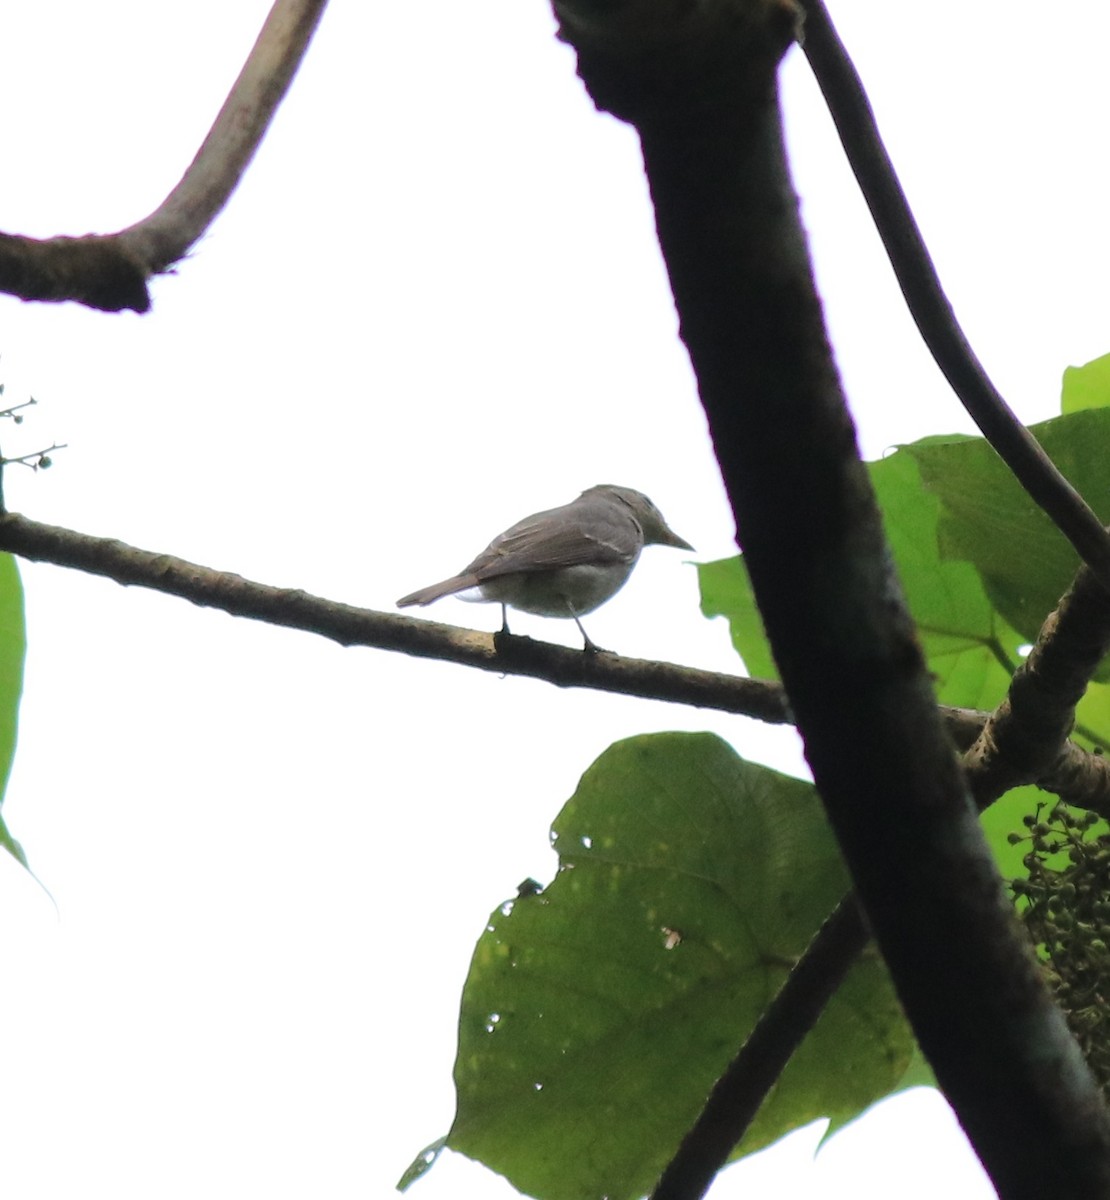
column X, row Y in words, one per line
column 698, row 83
column 110, row 271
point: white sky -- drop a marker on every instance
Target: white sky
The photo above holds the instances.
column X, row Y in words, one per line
column 434, row 305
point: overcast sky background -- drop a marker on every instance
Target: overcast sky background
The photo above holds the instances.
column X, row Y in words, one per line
column 434, row 305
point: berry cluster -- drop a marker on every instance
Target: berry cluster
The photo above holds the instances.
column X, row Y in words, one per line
column 1065, row 905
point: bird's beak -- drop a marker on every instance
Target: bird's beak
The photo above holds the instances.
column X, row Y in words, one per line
column 671, row 538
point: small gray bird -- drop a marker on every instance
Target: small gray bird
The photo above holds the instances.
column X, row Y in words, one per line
column 563, row 562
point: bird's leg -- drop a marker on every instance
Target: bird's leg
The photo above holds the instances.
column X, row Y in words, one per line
column 591, row 647
column 502, row 636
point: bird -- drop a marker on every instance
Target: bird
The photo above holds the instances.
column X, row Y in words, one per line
column 562, row 562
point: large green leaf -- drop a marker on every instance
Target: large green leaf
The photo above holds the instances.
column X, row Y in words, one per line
column 598, row 1013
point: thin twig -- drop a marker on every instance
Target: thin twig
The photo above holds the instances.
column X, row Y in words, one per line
column 110, row 271
column 929, row 306
column 163, row 237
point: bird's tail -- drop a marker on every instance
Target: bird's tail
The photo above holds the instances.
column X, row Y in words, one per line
column 436, row 591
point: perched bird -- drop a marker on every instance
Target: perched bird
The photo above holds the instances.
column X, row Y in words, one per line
column 563, row 562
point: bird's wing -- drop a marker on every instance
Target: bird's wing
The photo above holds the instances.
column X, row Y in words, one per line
column 544, row 542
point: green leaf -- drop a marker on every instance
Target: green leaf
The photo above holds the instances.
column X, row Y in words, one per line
column 726, row 591
column 1092, row 718
column 13, row 649
column 421, row 1164
column 598, row 1013
column 969, row 650
column 1087, row 386
column 987, row 520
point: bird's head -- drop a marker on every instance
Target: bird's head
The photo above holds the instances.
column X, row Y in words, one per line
column 656, row 531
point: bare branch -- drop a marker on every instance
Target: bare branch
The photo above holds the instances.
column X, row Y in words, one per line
column 95, row 270
column 1080, row 779
column 929, row 306
column 110, row 271
column 1076, row 775
column 1025, row 736
column 352, row 626
column 165, row 236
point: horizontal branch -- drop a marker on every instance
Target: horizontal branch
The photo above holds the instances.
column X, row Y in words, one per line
column 1082, row 778
column 110, row 271
column 352, row 626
